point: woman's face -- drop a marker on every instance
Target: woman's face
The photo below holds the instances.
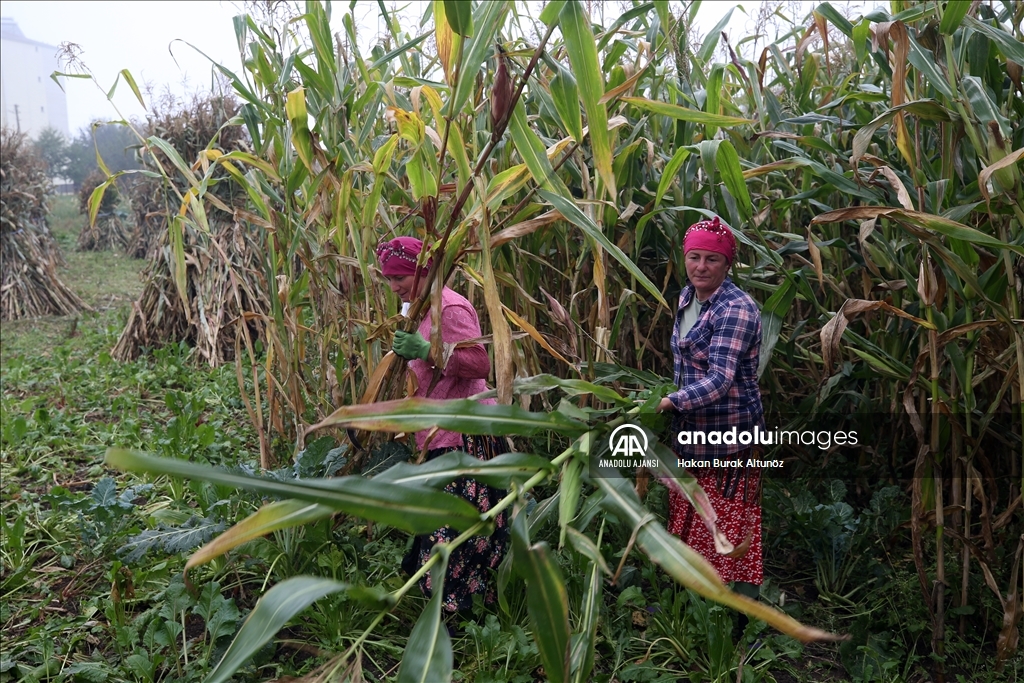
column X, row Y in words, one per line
column 402, row 286
column 706, row 271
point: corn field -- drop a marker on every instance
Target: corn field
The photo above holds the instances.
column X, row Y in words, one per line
column 869, row 166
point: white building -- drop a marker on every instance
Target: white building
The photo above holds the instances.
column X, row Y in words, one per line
column 29, row 99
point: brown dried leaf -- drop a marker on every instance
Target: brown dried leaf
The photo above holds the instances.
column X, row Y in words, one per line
column 524, row 228
column 986, row 173
column 901, row 191
column 832, row 331
column 815, row 253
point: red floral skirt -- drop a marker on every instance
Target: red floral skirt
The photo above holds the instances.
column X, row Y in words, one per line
column 735, row 494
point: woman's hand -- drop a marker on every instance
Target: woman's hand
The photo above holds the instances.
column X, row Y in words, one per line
column 666, row 405
column 411, row 345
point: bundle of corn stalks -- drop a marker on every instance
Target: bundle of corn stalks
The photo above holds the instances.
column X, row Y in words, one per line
column 108, row 231
column 149, row 209
column 28, row 251
column 223, row 283
column 201, row 293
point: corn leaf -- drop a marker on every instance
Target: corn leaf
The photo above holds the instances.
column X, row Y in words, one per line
column 487, row 22
column 579, row 43
column 566, row 97
column 1011, row 47
column 428, row 654
column 687, row 566
column 464, row 416
column 546, row 599
column 413, row 509
column 281, row 514
column 532, row 151
column 460, row 16
column 683, row 114
column 271, row 613
column 498, row 472
column 728, row 163
column 582, row 653
column 571, row 213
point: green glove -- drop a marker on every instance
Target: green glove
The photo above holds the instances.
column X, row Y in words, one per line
column 411, row 345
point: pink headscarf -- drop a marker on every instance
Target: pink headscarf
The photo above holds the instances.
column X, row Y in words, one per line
column 711, row 235
column 398, row 257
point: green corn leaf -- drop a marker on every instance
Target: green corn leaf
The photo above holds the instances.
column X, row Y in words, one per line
column 532, row 151
column 583, row 643
column 1011, row 47
column 981, row 104
column 428, row 654
column 282, row 514
column 924, row 108
column 686, row 566
column 298, row 117
column 919, row 221
column 924, row 61
column 683, row 114
column 130, row 80
column 96, row 199
column 498, row 472
column 952, row 14
column 546, row 600
column 509, row 181
column 728, row 163
column 401, row 50
column 176, row 233
column 537, row 384
column 569, row 495
column 713, row 103
column 773, row 313
column 422, row 182
column 668, row 176
column 586, row 546
column 551, row 12
column 620, row 21
column 413, row 509
column 272, row 612
column 175, row 158
column 579, row 43
column 490, row 16
column 707, row 48
column 566, row 97
column 463, row 416
column 838, row 20
column 571, row 213
column 460, row 16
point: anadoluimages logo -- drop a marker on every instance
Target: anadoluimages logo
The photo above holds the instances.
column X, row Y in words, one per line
column 628, row 441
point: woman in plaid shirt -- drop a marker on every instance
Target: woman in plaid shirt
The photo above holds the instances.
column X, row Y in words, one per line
column 715, row 343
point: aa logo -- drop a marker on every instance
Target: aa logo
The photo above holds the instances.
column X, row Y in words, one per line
column 628, row 441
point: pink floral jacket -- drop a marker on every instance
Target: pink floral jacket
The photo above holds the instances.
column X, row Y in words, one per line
column 466, row 371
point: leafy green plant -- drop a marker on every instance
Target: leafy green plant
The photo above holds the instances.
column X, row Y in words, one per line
column 104, row 516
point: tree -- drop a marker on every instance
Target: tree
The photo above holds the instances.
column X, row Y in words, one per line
column 52, row 148
column 113, row 142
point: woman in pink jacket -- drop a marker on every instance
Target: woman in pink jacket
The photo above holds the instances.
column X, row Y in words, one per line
column 464, row 374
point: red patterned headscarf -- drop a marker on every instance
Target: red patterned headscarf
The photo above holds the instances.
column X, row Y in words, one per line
column 710, row 235
column 398, row 257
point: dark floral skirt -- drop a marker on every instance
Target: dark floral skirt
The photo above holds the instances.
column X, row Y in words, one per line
column 470, row 566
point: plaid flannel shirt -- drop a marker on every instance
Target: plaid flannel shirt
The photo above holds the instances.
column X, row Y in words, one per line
column 716, row 369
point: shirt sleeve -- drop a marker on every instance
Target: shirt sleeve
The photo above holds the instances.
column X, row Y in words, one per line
column 459, row 323
column 733, row 336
